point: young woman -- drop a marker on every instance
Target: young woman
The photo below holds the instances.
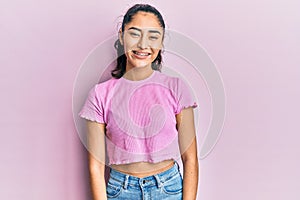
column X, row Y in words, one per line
column 141, row 120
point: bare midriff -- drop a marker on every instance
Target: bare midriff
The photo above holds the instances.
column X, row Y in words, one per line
column 143, row 169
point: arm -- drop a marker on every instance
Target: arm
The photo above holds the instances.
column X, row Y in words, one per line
column 96, row 157
column 188, row 149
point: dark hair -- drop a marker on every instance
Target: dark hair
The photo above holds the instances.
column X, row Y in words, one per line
column 120, row 69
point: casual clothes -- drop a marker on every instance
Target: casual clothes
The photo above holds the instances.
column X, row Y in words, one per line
column 165, row 185
column 139, row 116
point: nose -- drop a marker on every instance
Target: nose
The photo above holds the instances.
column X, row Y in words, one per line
column 143, row 43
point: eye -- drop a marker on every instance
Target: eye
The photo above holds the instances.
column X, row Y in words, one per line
column 153, row 38
column 134, row 34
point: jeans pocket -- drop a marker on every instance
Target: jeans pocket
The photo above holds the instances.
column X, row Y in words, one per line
column 113, row 189
column 173, row 185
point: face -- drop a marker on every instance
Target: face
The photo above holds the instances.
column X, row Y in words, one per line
column 142, row 40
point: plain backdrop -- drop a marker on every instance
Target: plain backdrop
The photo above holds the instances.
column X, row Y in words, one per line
column 254, row 44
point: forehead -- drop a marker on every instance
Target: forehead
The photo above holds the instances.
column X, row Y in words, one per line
column 144, row 20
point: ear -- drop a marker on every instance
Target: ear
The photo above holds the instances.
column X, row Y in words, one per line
column 120, row 37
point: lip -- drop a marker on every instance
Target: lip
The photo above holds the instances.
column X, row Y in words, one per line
column 136, row 54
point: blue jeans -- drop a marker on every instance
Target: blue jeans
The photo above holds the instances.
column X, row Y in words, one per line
column 165, row 185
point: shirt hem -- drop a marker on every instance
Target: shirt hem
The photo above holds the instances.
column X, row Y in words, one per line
column 150, row 161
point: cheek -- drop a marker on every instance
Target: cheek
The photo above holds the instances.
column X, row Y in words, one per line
column 156, row 45
column 130, row 43
column 154, row 54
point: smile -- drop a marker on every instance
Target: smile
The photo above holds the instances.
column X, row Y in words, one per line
column 141, row 53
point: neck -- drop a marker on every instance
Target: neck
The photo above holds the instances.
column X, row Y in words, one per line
column 138, row 73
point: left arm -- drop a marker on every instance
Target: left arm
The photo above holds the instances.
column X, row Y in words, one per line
column 188, row 148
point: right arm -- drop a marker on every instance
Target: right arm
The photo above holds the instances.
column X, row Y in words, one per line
column 96, row 159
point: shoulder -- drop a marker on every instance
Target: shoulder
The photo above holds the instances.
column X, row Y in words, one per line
column 169, row 80
column 101, row 90
column 105, row 85
column 173, row 82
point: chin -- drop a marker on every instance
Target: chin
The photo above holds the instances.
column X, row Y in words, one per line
column 140, row 64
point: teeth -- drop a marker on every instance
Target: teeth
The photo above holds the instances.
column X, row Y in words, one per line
column 141, row 54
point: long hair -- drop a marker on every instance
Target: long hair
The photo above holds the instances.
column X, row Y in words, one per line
column 120, row 69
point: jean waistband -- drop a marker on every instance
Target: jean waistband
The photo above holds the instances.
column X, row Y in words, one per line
column 157, row 179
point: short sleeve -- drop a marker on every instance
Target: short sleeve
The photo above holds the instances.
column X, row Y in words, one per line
column 92, row 108
column 185, row 98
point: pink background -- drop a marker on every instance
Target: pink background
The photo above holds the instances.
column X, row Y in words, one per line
column 253, row 44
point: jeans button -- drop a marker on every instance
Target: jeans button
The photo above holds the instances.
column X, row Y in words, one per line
column 144, row 181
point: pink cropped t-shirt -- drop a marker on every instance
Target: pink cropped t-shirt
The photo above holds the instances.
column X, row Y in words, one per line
column 139, row 116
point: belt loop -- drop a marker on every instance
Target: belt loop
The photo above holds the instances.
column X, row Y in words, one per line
column 126, row 182
column 159, row 183
column 177, row 165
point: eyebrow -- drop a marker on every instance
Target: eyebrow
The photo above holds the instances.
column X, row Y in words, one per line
column 151, row 31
